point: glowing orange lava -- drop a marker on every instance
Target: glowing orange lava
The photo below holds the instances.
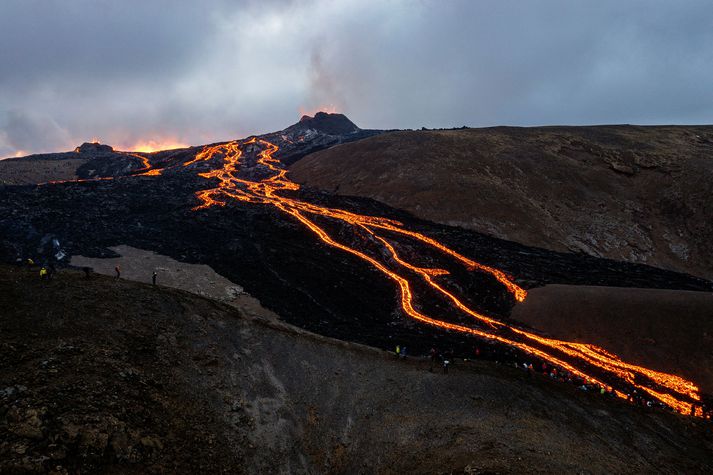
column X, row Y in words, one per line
column 577, row 358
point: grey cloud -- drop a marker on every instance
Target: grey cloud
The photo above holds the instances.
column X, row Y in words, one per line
column 97, row 39
column 325, row 88
column 23, row 132
column 205, row 71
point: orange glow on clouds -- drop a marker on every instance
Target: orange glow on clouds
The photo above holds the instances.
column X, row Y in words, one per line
column 328, row 108
column 148, row 146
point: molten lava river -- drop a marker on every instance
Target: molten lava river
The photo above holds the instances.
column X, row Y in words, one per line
column 250, row 173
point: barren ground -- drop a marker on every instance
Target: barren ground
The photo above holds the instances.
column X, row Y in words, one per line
column 22, row 172
column 138, row 265
column 121, row 377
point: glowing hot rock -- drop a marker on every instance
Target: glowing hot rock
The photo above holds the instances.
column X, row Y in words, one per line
column 589, row 362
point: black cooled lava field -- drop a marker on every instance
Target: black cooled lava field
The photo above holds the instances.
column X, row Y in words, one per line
column 344, row 267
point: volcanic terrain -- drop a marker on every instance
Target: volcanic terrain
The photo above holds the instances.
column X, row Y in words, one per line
column 105, row 376
column 637, row 194
column 350, row 267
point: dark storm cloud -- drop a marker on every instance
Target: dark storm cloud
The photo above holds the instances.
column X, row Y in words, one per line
column 196, row 72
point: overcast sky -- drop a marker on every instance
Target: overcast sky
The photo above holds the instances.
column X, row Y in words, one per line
column 129, row 71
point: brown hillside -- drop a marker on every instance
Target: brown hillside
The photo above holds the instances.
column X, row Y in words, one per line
column 104, row 376
column 23, row 172
column 640, row 194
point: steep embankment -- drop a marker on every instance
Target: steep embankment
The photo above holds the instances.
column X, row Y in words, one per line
column 103, row 375
column 639, row 194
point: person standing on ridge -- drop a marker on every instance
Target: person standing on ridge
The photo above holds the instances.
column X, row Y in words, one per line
column 432, row 355
column 117, row 269
column 153, row 277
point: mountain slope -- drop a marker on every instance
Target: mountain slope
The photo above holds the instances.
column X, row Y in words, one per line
column 119, row 377
column 325, row 262
column 640, row 194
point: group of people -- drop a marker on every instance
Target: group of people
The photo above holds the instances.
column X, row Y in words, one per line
column 117, row 274
column 584, row 384
column 564, row 376
column 437, row 358
column 445, row 359
column 48, row 270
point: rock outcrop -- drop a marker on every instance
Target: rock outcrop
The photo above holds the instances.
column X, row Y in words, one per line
column 331, row 124
column 94, row 148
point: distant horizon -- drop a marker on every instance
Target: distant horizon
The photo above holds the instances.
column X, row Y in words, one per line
column 162, row 72
column 151, row 146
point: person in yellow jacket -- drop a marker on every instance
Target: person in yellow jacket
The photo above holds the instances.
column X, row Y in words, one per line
column 43, row 273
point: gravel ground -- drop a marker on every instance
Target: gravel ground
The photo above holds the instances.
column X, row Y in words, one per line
column 105, row 376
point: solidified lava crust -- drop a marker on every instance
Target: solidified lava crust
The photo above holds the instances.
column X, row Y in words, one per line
column 279, row 261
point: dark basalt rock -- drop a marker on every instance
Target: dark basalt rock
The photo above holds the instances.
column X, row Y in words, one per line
column 331, row 124
column 94, row 148
column 104, row 161
column 282, row 263
column 312, row 134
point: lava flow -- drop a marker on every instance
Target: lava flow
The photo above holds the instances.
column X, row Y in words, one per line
column 236, row 182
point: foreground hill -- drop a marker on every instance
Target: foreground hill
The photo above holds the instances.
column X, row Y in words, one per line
column 640, row 194
column 119, row 377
